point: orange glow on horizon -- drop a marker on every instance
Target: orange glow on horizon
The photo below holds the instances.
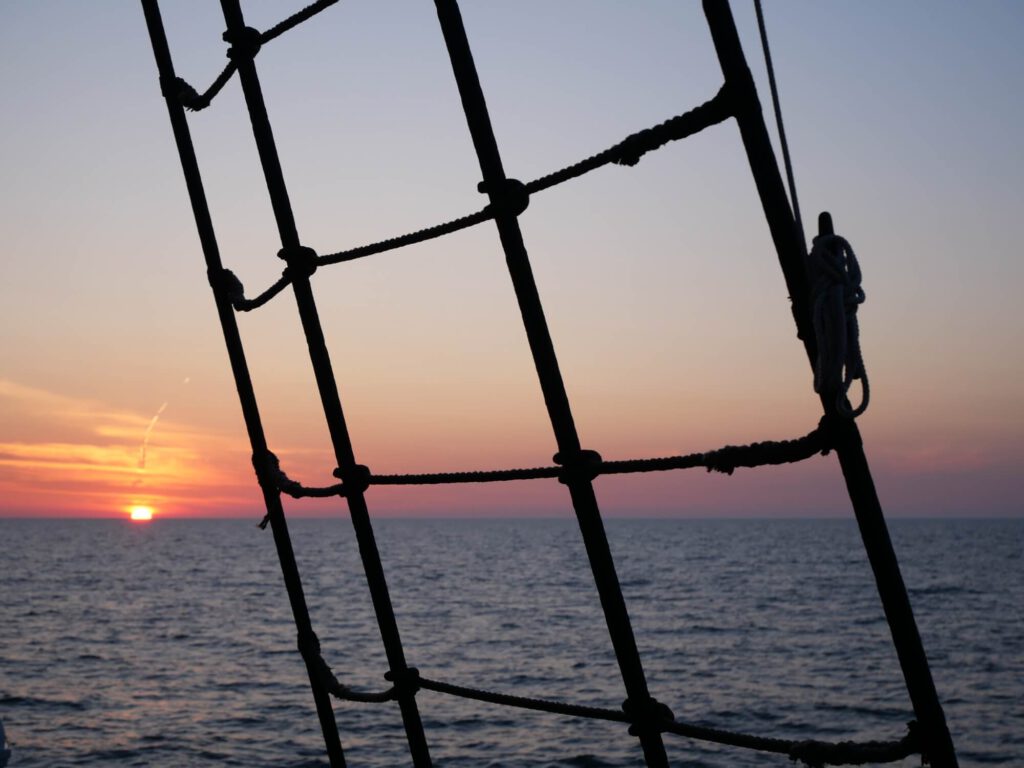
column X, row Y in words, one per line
column 140, row 514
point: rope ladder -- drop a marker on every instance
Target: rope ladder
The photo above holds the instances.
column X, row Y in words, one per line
column 575, row 467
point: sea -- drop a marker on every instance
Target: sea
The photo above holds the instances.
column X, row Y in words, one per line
column 172, row 643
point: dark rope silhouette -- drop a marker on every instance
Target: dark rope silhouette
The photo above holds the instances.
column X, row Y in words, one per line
column 777, row 107
column 627, row 152
column 179, row 90
column 812, row 752
column 824, row 287
column 724, row 460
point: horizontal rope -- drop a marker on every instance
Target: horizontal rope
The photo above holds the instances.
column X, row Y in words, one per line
column 194, row 101
column 295, row 19
column 811, row 752
column 633, row 147
column 483, row 476
column 523, row 702
column 626, row 152
column 412, row 238
column 724, row 460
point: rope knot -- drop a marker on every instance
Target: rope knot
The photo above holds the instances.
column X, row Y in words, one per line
column 406, row 681
column 647, row 715
column 579, row 465
column 836, row 293
column 508, row 196
column 722, row 460
column 309, row 645
column 356, row 479
column 832, row 430
column 245, row 43
column 301, row 260
column 179, row 91
column 633, row 147
column 227, row 282
column 268, row 469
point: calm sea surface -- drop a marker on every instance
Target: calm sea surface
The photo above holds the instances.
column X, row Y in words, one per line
column 172, row 644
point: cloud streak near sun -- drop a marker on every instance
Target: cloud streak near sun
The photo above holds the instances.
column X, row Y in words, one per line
column 66, row 455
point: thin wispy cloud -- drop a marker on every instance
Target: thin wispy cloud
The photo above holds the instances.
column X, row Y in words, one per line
column 96, row 466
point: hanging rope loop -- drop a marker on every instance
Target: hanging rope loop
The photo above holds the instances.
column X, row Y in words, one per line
column 510, row 196
column 301, row 260
column 836, row 294
column 578, row 466
column 647, row 715
column 245, row 43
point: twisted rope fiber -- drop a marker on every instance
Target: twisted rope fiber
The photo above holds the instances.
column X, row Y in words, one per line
column 724, row 460
column 809, row 751
column 626, row 152
column 194, row 101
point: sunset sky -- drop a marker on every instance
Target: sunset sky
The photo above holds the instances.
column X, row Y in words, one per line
column 661, row 287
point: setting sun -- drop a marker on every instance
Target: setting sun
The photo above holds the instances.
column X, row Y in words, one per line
column 141, row 514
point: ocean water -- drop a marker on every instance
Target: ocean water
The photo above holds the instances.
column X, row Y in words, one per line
column 172, row 644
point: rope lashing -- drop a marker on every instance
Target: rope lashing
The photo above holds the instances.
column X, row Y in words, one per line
column 836, row 293
column 227, row 281
column 647, row 714
column 308, row 644
column 301, row 260
column 356, row 478
column 270, row 475
column 180, row 91
column 406, row 681
column 309, row 649
column 510, row 197
column 244, row 43
column 177, row 89
column 578, row 466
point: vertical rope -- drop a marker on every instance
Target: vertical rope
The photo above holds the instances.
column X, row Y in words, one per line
column 294, row 252
column 570, row 454
column 240, row 371
column 776, row 103
column 936, row 740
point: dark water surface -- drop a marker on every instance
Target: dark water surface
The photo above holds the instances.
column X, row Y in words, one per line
column 172, row 644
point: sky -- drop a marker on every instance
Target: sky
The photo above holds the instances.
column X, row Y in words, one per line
column 660, row 284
